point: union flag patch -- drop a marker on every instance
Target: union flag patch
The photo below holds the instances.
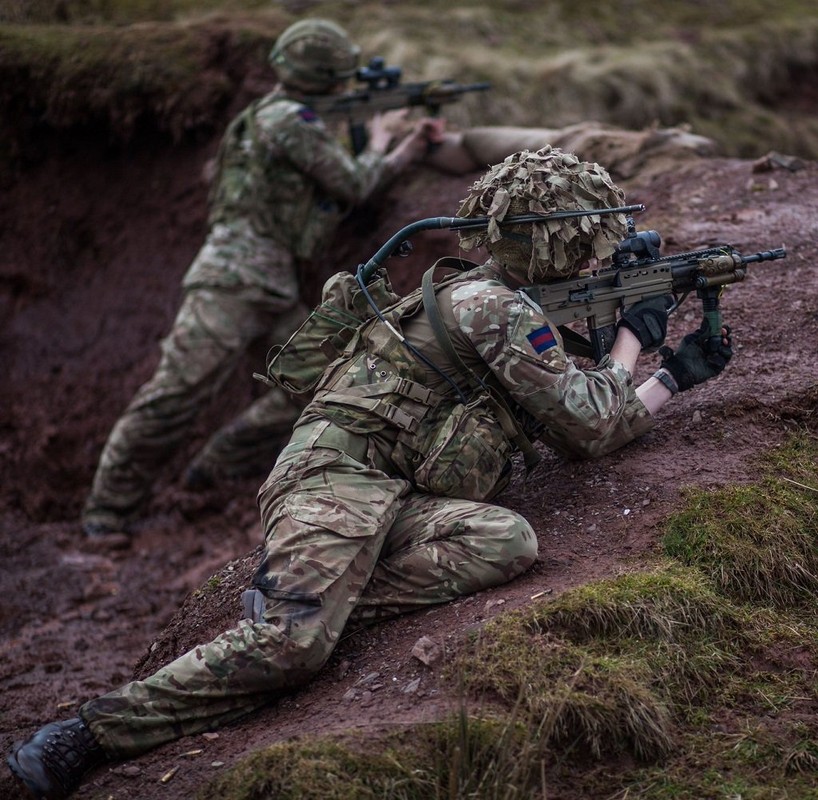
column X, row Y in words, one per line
column 542, row 339
column 307, row 114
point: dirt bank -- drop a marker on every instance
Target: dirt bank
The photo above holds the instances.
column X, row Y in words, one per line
column 91, row 258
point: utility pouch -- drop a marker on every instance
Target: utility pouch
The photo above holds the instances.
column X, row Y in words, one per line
column 490, row 396
column 469, row 456
column 298, row 365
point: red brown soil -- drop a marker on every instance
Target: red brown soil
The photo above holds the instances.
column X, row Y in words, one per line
column 92, row 252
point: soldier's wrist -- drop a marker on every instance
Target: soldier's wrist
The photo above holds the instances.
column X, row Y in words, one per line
column 667, row 380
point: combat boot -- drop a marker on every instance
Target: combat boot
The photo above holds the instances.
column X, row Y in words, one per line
column 53, row 762
column 101, row 523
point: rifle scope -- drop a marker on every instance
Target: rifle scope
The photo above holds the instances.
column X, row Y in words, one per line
column 376, row 75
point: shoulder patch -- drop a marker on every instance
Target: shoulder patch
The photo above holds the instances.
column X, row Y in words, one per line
column 542, row 339
column 307, row 114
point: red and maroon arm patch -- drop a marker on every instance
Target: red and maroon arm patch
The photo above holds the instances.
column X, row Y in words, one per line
column 307, row 114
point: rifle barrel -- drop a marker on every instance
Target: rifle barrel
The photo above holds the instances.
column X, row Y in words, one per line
column 765, row 255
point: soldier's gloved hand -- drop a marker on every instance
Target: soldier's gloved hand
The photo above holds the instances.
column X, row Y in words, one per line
column 698, row 358
column 647, row 320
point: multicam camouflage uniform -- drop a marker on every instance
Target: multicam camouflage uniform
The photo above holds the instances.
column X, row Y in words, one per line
column 360, row 524
column 284, row 184
column 377, row 505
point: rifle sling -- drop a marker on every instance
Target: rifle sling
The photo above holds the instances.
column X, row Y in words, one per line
column 500, row 407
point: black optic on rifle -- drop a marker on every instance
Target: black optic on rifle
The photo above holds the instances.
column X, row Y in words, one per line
column 376, row 75
column 638, row 244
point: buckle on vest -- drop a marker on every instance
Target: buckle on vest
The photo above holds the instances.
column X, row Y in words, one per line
column 398, row 417
column 415, row 391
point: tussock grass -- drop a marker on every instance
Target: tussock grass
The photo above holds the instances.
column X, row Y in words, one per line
column 671, row 619
column 321, row 769
column 748, row 762
column 457, row 758
column 669, row 604
column 607, row 664
column 759, row 542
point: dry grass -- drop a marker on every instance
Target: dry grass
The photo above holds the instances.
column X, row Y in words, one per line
column 166, row 62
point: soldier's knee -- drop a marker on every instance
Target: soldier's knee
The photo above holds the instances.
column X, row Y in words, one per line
column 309, row 651
column 514, row 540
column 304, row 646
column 525, row 542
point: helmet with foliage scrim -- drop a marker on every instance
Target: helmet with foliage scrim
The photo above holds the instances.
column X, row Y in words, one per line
column 542, row 182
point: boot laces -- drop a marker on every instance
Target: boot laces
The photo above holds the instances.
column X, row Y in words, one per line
column 69, row 753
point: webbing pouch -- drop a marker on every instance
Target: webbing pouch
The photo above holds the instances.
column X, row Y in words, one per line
column 298, row 365
column 469, row 456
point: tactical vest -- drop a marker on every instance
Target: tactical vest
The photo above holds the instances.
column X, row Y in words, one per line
column 455, row 443
column 288, row 207
column 239, row 171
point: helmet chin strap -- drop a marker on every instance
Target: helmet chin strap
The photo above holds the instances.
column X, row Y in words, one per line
column 512, row 276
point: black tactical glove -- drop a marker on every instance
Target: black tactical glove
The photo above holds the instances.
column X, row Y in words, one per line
column 647, row 320
column 698, row 358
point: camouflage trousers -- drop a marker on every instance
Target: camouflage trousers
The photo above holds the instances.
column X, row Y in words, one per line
column 212, row 330
column 345, row 543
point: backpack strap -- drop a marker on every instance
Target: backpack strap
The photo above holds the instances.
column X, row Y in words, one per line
column 498, row 404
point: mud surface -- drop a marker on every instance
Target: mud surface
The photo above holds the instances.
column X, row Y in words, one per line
column 91, row 255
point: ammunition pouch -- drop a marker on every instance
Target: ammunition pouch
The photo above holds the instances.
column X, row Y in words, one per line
column 370, row 407
column 468, row 455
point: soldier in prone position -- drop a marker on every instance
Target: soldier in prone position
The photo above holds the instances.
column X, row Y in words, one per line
column 283, row 185
column 380, row 503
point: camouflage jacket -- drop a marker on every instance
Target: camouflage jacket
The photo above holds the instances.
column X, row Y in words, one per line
column 382, row 389
column 282, row 169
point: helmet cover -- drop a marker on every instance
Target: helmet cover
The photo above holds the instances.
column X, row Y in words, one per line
column 543, row 182
column 314, row 55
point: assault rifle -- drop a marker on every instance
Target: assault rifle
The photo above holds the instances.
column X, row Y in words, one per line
column 384, row 92
column 637, row 272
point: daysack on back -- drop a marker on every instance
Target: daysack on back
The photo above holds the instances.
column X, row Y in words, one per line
column 298, row 365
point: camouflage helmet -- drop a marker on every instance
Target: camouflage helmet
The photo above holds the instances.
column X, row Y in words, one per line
column 314, row 55
column 542, row 182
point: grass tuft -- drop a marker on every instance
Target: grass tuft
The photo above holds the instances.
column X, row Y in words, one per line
column 607, row 665
column 460, row 757
column 759, row 542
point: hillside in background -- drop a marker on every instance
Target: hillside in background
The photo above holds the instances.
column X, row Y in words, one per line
column 736, row 71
